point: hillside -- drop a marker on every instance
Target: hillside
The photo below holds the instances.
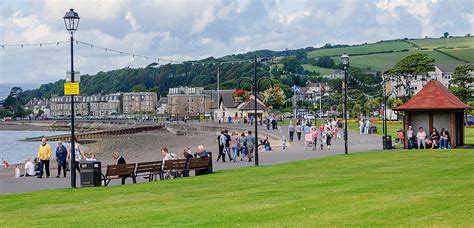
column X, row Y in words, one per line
column 432, row 188
column 369, row 57
column 374, row 56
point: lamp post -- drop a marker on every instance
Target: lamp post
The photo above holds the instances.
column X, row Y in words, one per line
column 345, row 63
column 255, row 89
column 385, row 80
column 71, row 21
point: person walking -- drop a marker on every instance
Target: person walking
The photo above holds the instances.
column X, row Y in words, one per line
column 61, row 157
column 78, row 155
column 367, row 127
column 361, row 126
column 298, row 129
column 329, row 135
column 44, row 154
column 227, row 144
column 251, row 142
column 291, row 131
column 221, row 139
column 243, row 145
column 234, row 145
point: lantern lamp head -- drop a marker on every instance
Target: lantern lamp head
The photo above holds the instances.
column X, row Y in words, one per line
column 71, row 21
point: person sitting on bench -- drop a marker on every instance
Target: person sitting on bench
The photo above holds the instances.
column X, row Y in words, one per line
column 120, row 160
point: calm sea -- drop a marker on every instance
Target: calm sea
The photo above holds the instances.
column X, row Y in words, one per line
column 15, row 151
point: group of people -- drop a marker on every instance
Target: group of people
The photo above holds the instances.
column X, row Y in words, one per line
column 364, row 126
column 40, row 165
column 433, row 140
column 325, row 133
column 237, row 145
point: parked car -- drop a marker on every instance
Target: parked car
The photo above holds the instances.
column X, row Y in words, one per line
column 309, row 117
column 470, row 120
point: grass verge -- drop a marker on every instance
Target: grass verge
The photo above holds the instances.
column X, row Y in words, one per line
column 422, row 188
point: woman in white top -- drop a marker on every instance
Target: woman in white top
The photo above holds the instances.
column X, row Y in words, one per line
column 78, row 154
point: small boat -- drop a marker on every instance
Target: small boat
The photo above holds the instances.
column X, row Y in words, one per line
column 36, row 137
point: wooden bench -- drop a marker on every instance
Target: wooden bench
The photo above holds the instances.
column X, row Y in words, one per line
column 198, row 164
column 174, row 167
column 149, row 169
column 121, row 171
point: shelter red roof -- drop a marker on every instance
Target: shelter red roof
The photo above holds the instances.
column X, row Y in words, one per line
column 433, row 96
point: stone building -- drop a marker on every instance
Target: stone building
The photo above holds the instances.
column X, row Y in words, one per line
column 139, row 102
column 61, row 106
column 189, row 101
column 105, row 105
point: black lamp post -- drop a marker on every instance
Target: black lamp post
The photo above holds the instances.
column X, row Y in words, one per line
column 255, row 89
column 385, row 80
column 71, row 21
column 345, row 63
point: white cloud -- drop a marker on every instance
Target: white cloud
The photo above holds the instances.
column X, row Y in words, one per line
column 185, row 29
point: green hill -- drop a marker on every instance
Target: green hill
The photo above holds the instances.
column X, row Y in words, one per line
column 432, row 188
column 374, row 56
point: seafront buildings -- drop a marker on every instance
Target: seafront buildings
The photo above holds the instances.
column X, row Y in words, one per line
column 104, row 105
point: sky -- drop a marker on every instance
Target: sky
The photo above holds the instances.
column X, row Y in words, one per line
column 189, row 30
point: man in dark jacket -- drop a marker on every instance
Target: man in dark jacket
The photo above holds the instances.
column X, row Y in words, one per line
column 227, row 144
column 61, row 156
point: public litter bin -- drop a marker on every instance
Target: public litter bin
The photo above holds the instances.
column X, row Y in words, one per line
column 387, row 142
column 90, row 173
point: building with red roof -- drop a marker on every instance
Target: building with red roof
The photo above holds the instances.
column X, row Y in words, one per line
column 435, row 107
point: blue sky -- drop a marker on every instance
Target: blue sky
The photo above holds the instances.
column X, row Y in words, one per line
column 179, row 29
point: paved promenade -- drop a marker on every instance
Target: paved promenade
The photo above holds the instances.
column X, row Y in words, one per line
column 295, row 152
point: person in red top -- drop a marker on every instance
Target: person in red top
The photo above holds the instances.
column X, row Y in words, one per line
column 314, row 133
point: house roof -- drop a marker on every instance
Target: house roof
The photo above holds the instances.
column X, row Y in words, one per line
column 249, row 105
column 228, row 101
column 434, row 96
column 447, row 68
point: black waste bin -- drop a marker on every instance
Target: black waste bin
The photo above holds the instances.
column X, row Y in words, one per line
column 387, row 142
column 90, row 173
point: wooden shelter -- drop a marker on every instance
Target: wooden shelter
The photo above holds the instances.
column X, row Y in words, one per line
column 435, row 107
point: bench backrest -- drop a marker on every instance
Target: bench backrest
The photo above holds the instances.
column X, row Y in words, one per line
column 199, row 163
column 120, row 169
column 149, row 167
column 175, row 164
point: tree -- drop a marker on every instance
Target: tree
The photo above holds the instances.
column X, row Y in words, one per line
column 325, row 61
column 291, row 64
column 460, row 82
column 13, row 100
column 139, row 88
column 446, row 34
column 409, row 68
column 274, row 96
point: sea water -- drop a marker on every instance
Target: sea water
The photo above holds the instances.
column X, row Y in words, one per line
column 15, row 151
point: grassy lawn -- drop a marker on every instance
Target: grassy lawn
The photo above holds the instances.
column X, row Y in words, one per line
column 462, row 53
column 413, row 188
column 321, row 70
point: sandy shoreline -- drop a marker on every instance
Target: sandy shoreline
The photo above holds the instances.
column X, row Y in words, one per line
column 139, row 147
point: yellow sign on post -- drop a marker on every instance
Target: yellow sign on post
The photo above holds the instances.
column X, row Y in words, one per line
column 71, row 88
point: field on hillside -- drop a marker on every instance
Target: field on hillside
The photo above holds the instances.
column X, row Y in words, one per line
column 437, row 42
column 409, row 188
column 361, row 49
column 463, row 47
column 321, row 70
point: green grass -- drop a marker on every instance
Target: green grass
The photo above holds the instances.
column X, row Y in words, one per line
column 362, row 49
column 376, row 61
column 462, row 53
column 469, row 135
column 411, row 188
column 437, row 42
column 462, row 48
column 321, row 70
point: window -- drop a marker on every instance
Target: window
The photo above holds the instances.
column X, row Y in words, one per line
column 202, row 100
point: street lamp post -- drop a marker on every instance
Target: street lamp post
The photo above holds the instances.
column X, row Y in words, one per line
column 255, row 89
column 345, row 63
column 71, row 21
column 385, row 80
